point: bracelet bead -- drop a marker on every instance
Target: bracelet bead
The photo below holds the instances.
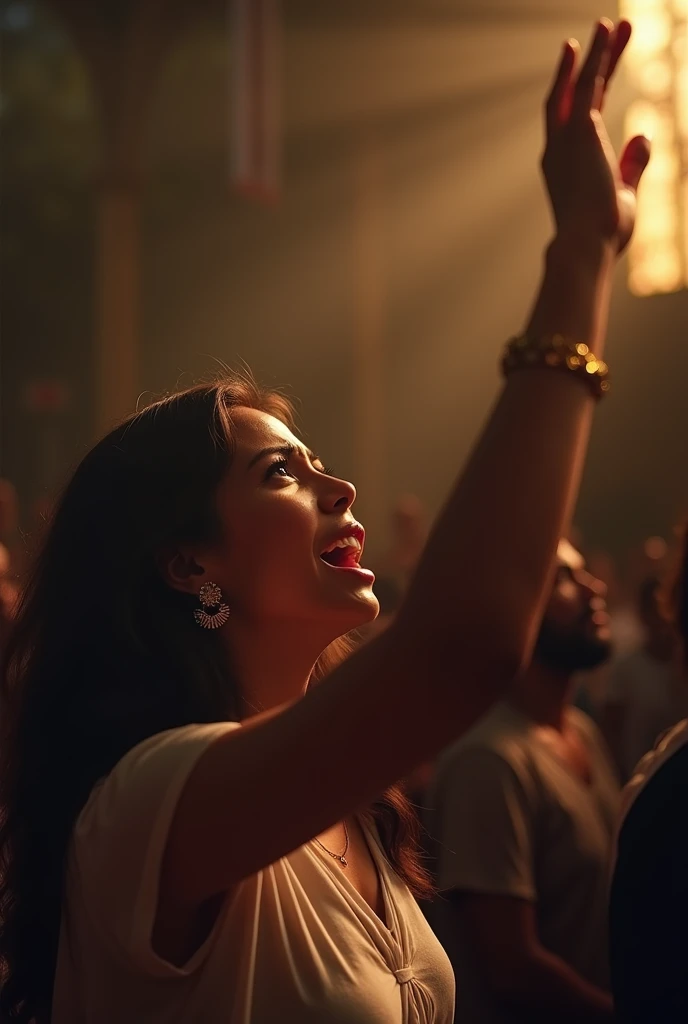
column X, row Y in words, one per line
column 555, row 352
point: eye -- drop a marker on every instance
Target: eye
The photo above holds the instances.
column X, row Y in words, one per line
column 280, row 467
column 325, row 470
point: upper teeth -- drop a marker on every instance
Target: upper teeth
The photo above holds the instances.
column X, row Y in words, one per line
column 344, row 542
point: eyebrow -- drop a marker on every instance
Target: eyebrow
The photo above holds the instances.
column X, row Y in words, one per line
column 286, row 450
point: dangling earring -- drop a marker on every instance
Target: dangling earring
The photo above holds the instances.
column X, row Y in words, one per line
column 210, row 596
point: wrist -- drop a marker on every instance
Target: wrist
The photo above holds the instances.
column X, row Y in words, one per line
column 574, row 295
column 578, row 250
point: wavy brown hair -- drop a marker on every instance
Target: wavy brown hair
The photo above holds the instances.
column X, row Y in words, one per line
column 104, row 654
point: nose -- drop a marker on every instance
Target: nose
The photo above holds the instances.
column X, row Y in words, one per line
column 335, row 495
column 590, row 585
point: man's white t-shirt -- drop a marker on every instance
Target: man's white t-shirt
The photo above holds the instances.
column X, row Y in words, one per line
column 509, row 818
column 295, row 944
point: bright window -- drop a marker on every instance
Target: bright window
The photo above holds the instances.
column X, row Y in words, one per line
column 657, row 66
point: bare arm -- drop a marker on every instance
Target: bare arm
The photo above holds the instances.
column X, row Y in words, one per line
column 522, row 973
column 269, row 787
column 511, row 506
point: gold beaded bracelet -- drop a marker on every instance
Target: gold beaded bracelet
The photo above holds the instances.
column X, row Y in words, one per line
column 554, row 352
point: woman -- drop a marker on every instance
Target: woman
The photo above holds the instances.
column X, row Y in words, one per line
column 649, row 903
column 183, row 836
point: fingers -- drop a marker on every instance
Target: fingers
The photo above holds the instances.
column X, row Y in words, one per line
column 634, row 160
column 594, row 67
column 618, row 44
column 606, row 47
column 559, row 99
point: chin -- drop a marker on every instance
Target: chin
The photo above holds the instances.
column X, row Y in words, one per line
column 356, row 611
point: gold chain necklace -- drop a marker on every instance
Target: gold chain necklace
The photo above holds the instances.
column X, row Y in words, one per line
column 341, row 857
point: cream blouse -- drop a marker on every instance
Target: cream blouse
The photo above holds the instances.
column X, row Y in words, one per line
column 296, row 943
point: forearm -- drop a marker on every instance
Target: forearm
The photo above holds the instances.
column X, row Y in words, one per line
column 486, row 566
column 574, row 297
column 544, row 988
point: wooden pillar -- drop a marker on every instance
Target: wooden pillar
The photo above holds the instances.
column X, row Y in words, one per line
column 370, row 392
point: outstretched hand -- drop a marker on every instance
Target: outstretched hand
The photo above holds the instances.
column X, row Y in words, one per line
column 592, row 192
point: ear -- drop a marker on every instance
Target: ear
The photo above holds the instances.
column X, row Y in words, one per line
column 180, row 570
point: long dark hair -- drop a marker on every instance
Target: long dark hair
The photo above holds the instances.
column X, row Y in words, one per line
column 103, row 655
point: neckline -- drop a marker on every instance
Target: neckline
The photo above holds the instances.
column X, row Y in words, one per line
column 570, row 718
column 339, row 877
column 589, row 786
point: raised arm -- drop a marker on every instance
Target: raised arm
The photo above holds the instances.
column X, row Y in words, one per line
column 471, row 613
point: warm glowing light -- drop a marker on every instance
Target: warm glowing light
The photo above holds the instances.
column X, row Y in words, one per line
column 657, row 64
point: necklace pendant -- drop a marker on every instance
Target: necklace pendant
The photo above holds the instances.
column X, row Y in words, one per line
column 344, row 862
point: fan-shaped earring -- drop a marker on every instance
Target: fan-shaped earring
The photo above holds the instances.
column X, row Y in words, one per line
column 210, row 596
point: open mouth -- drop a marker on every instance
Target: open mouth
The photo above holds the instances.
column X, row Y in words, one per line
column 344, row 552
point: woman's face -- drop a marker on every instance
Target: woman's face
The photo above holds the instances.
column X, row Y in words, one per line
column 281, row 511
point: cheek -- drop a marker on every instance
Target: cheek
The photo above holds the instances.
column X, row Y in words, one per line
column 270, row 546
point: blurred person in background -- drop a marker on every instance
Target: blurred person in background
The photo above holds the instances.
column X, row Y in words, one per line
column 625, row 631
column 625, row 627
column 8, row 597
column 649, row 899
column 408, row 533
column 9, row 521
column 523, row 814
column 8, row 511
column 8, row 568
column 186, row 750
column 647, row 691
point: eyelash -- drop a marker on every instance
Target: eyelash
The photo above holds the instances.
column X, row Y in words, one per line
column 283, row 464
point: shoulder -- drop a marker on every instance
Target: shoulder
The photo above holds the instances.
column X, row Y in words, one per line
column 663, row 772
column 498, row 746
column 120, row 838
column 155, row 768
column 652, row 847
column 649, row 898
column 585, row 726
